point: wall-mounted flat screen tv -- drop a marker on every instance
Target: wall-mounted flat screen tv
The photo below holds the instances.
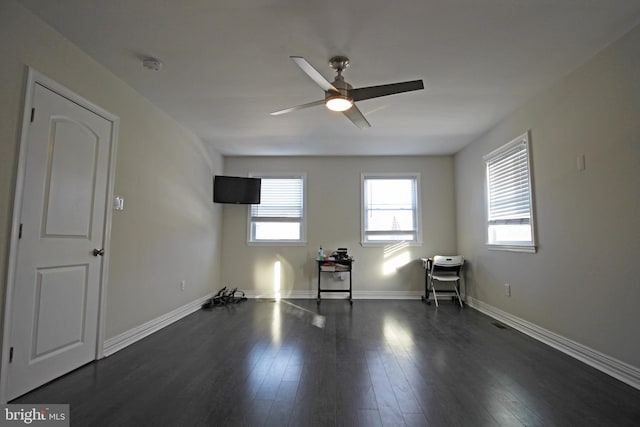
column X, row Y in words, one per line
column 236, row 189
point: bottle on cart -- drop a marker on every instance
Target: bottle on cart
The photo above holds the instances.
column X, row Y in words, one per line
column 320, row 253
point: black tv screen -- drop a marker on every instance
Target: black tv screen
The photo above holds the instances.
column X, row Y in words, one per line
column 236, row 189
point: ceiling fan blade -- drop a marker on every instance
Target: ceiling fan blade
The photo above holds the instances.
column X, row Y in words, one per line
column 313, row 73
column 356, row 116
column 363, row 93
column 298, row 107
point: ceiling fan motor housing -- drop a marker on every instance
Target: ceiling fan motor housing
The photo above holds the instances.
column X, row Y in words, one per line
column 342, row 86
column 339, row 100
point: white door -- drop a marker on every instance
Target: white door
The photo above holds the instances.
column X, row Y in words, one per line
column 56, row 293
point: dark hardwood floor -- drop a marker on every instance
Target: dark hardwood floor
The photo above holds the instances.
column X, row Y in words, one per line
column 376, row 363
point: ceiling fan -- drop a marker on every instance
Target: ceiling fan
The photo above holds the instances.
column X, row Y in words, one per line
column 341, row 96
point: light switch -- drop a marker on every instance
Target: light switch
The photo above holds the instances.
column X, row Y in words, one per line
column 118, row 203
column 580, row 163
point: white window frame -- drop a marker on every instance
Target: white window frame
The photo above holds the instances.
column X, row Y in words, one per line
column 515, row 246
column 303, row 221
column 417, row 209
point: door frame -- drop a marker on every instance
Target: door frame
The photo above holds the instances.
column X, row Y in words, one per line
column 34, row 78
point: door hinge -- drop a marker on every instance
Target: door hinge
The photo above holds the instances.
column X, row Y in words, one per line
column 33, row 114
column 11, row 355
column 20, row 232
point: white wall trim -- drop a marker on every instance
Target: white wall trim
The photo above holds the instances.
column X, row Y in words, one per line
column 385, row 294
column 125, row 339
column 620, row 370
column 312, row 294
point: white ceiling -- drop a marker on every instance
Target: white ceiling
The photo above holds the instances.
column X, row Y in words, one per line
column 227, row 63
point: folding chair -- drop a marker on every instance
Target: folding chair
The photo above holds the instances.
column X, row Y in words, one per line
column 446, row 269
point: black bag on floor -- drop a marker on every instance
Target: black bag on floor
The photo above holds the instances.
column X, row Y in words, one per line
column 225, row 296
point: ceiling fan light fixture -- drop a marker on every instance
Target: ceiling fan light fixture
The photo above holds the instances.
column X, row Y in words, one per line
column 338, row 103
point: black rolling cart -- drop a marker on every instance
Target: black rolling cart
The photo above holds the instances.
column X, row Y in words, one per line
column 335, row 266
column 426, row 264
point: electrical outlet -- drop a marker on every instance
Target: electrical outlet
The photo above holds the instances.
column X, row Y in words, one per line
column 507, row 289
column 183, row 284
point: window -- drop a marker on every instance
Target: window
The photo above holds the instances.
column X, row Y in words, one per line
column 279, row 218
column 509, row 198
column 390, row 208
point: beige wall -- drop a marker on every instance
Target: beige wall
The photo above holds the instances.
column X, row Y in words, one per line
column 169, row 230
column 583, row 282
column 333, row 220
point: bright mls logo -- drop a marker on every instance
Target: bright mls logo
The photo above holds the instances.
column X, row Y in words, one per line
column 36, row 415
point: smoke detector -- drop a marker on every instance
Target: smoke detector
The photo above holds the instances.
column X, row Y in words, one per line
column 152, row 64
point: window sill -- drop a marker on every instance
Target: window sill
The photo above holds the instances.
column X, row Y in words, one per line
column 512, row 248
column 277, row 243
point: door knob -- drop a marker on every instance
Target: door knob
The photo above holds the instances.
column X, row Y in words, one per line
column 97, row 252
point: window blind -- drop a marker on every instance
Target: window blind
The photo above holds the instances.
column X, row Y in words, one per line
column 508, row 186
column 279, row 198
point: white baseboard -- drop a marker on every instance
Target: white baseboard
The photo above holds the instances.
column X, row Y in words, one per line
column 312, row 294
column 386, row 294
column 623, row 371
column 117, row 343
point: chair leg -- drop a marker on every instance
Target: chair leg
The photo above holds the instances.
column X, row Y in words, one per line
column 455, row 288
